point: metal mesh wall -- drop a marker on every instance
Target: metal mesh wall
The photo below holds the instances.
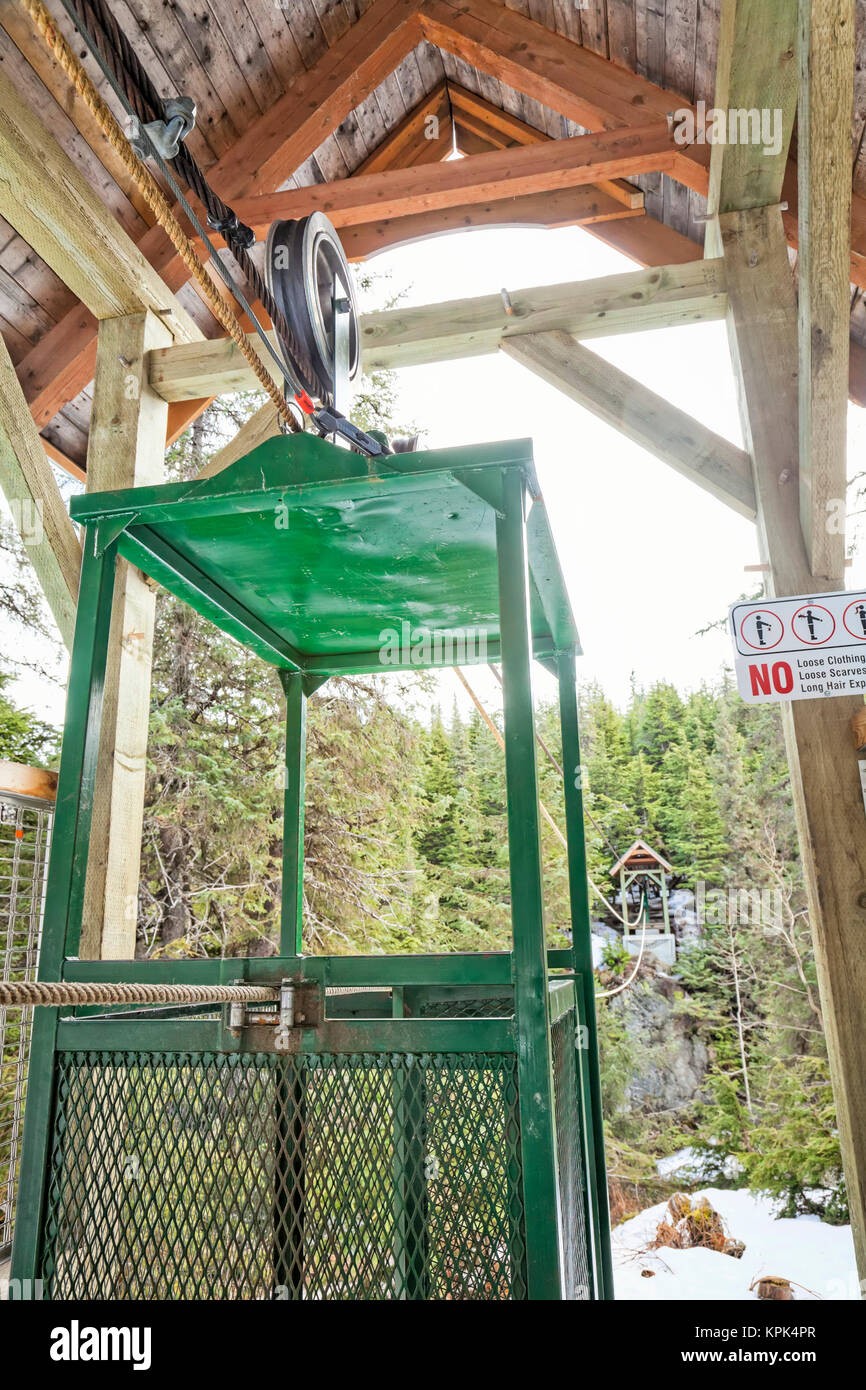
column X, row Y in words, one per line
column 24, row 834
column 569, row 1152
column 480, row 1007
column 256, row 1176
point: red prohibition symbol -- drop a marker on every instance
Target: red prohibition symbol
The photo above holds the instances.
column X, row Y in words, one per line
column 854, row 619
column 762, row 625
column 818, row 622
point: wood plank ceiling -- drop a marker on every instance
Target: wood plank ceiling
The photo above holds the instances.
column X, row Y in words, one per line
column 236, row 57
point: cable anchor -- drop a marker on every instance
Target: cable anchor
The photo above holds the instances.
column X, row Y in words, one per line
column 166, row 135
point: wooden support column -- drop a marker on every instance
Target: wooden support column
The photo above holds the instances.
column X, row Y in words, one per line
column 825, row 783
column 824, row 238
column 126, row 449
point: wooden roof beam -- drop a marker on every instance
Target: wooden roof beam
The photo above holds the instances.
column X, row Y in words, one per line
column 567, row 207
column 630, row 302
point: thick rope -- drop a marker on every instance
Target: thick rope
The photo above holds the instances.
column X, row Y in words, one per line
column 147, row 104
column 156, row 200
column 41, row 992
column 609, row 993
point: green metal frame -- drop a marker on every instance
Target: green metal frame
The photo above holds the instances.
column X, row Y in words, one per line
column 452, row 534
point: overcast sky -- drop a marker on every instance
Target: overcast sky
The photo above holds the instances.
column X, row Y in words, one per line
column 648, row 557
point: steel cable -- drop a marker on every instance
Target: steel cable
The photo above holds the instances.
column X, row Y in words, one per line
column 100, row 29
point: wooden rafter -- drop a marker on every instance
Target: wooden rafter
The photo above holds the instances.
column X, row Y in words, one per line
column 408, row 140
column 516, row 172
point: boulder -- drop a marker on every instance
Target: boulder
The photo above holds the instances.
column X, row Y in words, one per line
column 670, row 1059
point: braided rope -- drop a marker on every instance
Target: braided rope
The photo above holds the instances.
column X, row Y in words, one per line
column 145, row 100
column 156, row 200
column 41, row 992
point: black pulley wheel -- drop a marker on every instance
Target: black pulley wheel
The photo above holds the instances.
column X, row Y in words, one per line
column 306, row 267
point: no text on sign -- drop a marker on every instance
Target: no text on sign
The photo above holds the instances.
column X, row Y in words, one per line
column 805, row 648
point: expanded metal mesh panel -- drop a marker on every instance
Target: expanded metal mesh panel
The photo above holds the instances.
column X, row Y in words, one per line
column 477, row 1007
column 569, row 1152
column 256, row 1176
column 24, row 834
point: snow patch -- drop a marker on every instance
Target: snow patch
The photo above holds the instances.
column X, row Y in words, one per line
column 804, row 1250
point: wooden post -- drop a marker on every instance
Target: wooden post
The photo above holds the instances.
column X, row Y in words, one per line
column 126, row 448
column 825, row 784
column 824, row 270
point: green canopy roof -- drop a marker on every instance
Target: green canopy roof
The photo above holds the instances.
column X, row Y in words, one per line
column 315, row 558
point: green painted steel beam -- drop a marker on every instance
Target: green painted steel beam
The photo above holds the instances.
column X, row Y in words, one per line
column 146, row 549
column 544, row 650
column 64, row 896
column 581, row 952
column 454, row 968
column 294, row 765
column 535, row 1071
column 334, row 1035
column 546, row 576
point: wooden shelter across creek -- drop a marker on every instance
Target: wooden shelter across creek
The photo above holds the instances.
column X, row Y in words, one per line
column 640, row 867
column 592, row 114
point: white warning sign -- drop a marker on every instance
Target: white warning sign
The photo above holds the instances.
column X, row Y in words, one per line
column 800, row 648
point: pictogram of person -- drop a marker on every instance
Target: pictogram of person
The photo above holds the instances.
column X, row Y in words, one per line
column 811, row 619
column 762, row 625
